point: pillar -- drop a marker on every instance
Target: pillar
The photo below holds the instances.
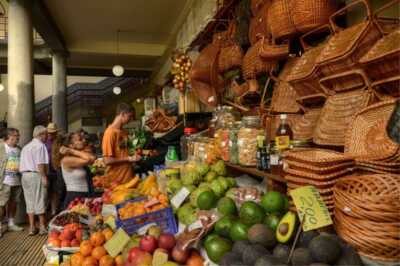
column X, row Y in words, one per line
column 59, row 98
column 20, row 68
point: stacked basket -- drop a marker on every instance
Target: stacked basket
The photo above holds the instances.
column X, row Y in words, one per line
column 368, row 142
column 316, row 167
column 367, row 214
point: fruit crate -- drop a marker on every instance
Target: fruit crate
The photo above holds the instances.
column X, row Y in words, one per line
column 164, row 218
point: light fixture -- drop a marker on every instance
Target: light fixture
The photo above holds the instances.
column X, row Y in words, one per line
column 138, row 100
column 118, row 70
column 117, row 90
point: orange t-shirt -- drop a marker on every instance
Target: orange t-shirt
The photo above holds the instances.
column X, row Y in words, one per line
column 115, row 144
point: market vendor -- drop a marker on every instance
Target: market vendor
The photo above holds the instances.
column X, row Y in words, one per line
column 115, row 147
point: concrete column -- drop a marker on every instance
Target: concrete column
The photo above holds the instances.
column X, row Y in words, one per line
column 20, row 68
column 59, row 98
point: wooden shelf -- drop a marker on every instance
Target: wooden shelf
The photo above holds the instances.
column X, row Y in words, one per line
column 255, row 172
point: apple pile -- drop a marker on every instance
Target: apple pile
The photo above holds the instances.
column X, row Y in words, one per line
column 70, row 236
column 84, row 205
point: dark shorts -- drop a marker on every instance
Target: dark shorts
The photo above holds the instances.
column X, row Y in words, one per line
column 71, row 195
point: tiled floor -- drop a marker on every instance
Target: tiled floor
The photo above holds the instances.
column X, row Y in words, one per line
column 17, row 248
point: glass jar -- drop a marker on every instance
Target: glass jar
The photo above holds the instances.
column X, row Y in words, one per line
column 247, row 140
column 233, row 143
column 186, row 141
column 224, row 148
column 276, row 160
column 210, row 151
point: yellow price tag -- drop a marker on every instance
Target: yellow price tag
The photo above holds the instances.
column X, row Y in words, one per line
column 110, row 221
column 308, row 202
column 117, row 243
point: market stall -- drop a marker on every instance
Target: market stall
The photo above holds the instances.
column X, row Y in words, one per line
column 279, row 154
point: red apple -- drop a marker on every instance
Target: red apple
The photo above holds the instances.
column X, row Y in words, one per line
column 133, row 253
column 78, row 234
column 166, row 241
column 54, row 234
column 143, row 258
column 75, row 242
column 65, row 244
column 148, row 244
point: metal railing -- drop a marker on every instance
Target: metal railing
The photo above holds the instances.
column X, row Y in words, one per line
column 37, row 39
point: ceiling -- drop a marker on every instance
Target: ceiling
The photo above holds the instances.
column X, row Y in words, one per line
column 90, row 28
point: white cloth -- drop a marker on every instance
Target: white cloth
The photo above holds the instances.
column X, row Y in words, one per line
column 11, row 174
column 33, row 154
column 35, row 193
column 75, row 179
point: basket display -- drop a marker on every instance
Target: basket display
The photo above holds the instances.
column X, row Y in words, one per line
column 337, row 115
column 367, row 136
column 201, row 69
column 288, row 18
column 321, row 179
column 253, row 64
column 304, row 127
column 256, row 5
column 272, row 51
column 318, row 157
column 284, row 96
column 345, row 81
column 344, row 49
column 205, row 92
column 367, row 213
column 318, row 170
column 386, row 88
column 163, row 218
column 231, row 53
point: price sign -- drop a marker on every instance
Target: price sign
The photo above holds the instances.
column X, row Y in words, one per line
column 308, row 202
column 180, row 197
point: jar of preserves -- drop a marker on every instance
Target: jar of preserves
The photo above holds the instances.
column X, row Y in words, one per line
column 276, row 160
column 247, row 140
column 233, row 143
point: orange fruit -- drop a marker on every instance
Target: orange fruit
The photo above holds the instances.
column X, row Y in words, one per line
column 97, row 239
column 77, row 259
column 90, row 261
column 119, row 260
column 106, row 260
column 99, row 252
column 108, row 233
column 85, row 248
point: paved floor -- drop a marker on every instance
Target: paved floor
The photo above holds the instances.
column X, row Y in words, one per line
column 17, row 248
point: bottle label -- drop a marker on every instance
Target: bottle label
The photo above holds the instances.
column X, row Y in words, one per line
column 282, row 142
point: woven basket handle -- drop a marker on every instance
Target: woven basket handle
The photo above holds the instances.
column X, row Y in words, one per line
column 329, row 91
column 341, row 11
column 323, row 28
column 383, row 8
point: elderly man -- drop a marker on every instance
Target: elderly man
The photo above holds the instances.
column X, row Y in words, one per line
column 10, row 180
column 34, row 167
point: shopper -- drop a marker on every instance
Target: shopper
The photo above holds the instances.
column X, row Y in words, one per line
column 56, row 164
column 52, row 132
column 10, row 180
column 34, row 166
column 73, row 164
column 115, row 147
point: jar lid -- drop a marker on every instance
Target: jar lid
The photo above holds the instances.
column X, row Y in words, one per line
column 189, row 130
column 252, row 118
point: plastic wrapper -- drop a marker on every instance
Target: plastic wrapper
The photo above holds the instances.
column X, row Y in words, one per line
column 243, row 194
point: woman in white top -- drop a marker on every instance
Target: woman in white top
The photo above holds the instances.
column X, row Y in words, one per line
column 73, row 162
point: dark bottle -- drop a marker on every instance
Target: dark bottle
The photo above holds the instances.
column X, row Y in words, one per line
column 265, row 158
column 283, row 134
column 260, row 145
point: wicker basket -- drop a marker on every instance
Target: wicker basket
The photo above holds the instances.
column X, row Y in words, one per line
column 205, row 92
column 231, row 54
column 344, row 49
column 318, row 170
column 288, row 18
column 318, row 157
column 367, row 136
column 258, row 24
column 272, row 51
column 325, row 179
column 304, row 127
column 201, row 70
column 257, row 5
column 345, row 81
column 383, row 59
column 387, row 87
column 305, row 74
column 337, row 115
column 253, row 65
column 284, row 96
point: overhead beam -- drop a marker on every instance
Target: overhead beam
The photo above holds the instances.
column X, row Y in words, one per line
column 47, row 28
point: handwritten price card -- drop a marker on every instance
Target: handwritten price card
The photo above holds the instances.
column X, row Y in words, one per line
column 308, row 202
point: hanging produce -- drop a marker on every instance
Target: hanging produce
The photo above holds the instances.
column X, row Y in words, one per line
column 180, row 70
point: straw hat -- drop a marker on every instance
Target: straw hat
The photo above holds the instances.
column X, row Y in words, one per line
column 52, row 128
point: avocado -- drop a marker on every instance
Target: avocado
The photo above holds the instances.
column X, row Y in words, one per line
column 325, row 248
column 223, row 225
column 231, row 258
column 306, row 237
column 251, row 253
column 301, row 256
column 286, row 227
column 341, row 242
column 281, row 251
column 349, row 257
column 239, row 246
column 263, row 235
column 269, row 260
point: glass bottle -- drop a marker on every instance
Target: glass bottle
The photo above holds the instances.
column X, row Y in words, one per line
column 284, row 134
column 186, row 141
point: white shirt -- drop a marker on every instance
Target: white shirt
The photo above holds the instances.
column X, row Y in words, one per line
column 33, row 154
column 11, row 174
column 75, row 179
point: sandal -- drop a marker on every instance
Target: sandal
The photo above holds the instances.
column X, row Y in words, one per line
column 32, row 232
column 43, row 231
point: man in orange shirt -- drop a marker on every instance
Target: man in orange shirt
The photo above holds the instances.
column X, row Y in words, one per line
column 115, row 147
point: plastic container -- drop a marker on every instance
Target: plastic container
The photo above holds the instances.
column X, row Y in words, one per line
column 247, row 140
column 164, row 218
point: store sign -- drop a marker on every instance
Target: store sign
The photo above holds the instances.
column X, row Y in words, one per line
column 310, row 204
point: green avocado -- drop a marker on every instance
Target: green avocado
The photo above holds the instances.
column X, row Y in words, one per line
column 223, row 225
column 238, row 231
column 251, row 213
column 286, row 227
